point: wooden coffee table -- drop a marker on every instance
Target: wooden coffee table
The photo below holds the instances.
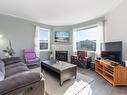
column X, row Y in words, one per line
column 63, row 69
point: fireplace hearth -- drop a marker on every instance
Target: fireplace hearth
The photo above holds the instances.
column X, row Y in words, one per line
column 61, row 55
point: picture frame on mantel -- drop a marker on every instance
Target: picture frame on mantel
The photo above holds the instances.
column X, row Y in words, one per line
column 62, row 36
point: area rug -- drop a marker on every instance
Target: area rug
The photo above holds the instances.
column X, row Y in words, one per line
column 70, row 87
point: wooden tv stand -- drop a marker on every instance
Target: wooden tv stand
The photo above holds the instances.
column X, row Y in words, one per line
column 116, row 75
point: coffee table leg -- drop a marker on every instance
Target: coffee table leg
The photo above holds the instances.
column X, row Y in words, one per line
column 75, row 76
column 61, row 81
column 75, row 72
column 42, row 68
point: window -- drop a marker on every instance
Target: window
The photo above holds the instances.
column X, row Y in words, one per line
column 88, row 38
column 44, row 39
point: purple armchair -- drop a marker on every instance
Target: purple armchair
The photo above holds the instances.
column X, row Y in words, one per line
column 30, row 57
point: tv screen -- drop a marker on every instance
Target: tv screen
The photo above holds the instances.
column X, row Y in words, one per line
column 112, row 51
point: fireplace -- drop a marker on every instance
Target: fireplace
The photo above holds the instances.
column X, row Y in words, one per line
column 61, row 55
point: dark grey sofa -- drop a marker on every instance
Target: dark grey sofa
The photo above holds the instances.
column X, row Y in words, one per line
column 17, row 79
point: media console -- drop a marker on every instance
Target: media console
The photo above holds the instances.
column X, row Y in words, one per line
column 116, row 75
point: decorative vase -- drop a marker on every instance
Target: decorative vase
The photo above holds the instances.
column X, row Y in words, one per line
column 51, row 56
column 7, row 55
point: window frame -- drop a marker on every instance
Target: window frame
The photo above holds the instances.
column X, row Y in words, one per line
column 79, row 29
column 48, row 30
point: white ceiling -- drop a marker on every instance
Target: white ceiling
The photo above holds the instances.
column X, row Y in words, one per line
column 57, row 12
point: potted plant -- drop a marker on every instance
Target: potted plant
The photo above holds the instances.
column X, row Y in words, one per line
column 9, row 52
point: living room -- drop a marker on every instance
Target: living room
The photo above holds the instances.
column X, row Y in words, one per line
column 55, row 30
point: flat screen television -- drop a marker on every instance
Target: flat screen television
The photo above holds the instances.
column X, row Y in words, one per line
column 112, row 51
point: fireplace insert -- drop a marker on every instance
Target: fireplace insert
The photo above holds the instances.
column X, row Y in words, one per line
column 62, row 55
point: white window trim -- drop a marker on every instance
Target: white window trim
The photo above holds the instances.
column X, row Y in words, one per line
column 83, row 28
column 86, row 27
column 48, row 30
column 78, row 29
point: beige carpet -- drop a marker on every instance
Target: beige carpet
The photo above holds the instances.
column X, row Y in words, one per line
column 73, row 86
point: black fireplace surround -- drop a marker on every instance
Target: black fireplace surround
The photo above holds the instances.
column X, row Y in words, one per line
column 62, row 55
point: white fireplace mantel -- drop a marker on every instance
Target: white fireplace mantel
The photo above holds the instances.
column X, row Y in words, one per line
column 68, row 48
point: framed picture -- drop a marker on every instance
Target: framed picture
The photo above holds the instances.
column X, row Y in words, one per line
column 62, row 37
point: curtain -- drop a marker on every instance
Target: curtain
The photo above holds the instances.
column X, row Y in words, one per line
column 100, row 34
column 36, row 41
column 74, row 40
column 100, row 28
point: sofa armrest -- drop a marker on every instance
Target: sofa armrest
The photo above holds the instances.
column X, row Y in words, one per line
column 19, row 81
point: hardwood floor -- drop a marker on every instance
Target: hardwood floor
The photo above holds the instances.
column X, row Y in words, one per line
column 99, row 86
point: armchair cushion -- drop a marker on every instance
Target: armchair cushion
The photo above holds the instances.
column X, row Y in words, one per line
column 33, row 60
column 29, row 56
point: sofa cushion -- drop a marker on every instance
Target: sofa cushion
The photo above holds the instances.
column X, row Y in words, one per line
column 11, row 60
column 19, row 81
column 15, row 70
column 15, row 65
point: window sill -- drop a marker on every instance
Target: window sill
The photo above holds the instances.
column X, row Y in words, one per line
column 44, row 50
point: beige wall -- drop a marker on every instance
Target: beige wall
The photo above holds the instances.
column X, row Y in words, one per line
column 116, row 26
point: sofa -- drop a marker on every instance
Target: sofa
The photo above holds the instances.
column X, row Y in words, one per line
column 17, row 79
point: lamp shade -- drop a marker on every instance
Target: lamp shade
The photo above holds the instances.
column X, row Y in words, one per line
column 1, row 36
